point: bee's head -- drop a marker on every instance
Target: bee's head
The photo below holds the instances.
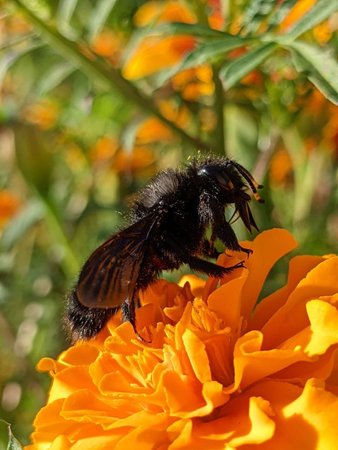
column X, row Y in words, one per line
column 232, row 181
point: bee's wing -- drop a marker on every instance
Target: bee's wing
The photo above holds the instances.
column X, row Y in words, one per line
column 109, row 276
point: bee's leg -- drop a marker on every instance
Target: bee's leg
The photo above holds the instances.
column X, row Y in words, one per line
column 209, row 268
column 82, row 322
column 128, row 313
column 208, row 249
column 222, row 229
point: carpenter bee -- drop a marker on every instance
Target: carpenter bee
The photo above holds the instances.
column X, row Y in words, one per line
column 168, row 224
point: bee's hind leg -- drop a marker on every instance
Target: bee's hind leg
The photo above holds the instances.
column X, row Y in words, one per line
column 128, row 313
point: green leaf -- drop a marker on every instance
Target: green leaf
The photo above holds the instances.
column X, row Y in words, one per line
column 13, row 443
column 255, row 13
column 65, row 12
column 317, row 14
column 319, row 66
column 283, row 10
column 21, row 223
column 196, row 30
column 55, row 76
column 9, row 59
column 206, row 52
column 237, row 69
column 100, row 16
column 210, row 51
column 34, row 159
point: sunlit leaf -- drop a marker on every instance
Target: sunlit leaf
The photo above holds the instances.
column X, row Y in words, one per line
column 55, row 76
column 33, row 157
column 31, row 214
column 13, row 443
column 196, row 30
column 209, row 51
column 99, row 16
column 237, row 69
column 281, row 12
column 9, row 59
column 322, row 10
column 255, row 13
column 320, row 67
column 65, row 12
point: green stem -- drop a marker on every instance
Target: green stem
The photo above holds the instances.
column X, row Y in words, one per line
column 219, row 109
column 69, row 262
column 108, row 76
column 219, row 139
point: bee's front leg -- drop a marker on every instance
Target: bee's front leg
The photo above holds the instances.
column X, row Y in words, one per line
column 208, row 248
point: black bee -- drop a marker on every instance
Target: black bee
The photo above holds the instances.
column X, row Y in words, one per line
column 168, row 222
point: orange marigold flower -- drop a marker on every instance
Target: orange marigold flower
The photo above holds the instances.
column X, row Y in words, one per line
column 9, row 205
column 296, row 13
column 139, row 159
column 157, row 53
column 44, row 114
column 107, row 44
column 219, row 372
column 169, row 11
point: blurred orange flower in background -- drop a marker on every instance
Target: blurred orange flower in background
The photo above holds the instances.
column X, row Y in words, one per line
column 44, row 114
column 220, row 372
column 9, row 206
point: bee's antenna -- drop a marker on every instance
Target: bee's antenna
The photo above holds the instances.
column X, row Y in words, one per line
column 250, row 179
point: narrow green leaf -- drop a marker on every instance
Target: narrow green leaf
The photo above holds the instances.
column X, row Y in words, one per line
column 108, row 77
column 255, row 13
column 237, row 69
column 196, row 30
column 13, row 443
column 211, row 51
column 206, row 52
column 55, row 76
column 21, row 223
column 281, row 12
column 33, row 158
column 9, row 59
column 320, row 67
column 65, row 12
column 99, row 17
column 317, row 14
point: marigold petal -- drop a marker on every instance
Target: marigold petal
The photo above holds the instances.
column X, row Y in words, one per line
column 156, row 53
column 299, row 266
column 324, row 326
column 97, row 442
column 183, row 394
column 319, row 409
column 251, row 363
column 292, row 316
column 262, row 426
column 197, row 356
column 196, row 284
column 68, row 380
column 268, row 247
column 226, row 301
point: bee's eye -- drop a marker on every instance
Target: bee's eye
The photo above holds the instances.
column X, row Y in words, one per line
column 219, row 175
column 225, row 181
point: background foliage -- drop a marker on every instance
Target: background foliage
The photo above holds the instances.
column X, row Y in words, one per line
column 96, row 96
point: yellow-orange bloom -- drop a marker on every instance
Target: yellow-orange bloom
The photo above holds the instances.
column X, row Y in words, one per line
column 9, row 206
column 219, row 372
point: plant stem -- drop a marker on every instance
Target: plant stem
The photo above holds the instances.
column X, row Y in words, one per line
column 69, row 262
column 219, row 139
column 219, row 109
column 108, row 76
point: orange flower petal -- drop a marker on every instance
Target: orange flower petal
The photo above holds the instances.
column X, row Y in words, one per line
column 298, row 268
column 154, row 54
column 268, row 247
column 292, row 316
